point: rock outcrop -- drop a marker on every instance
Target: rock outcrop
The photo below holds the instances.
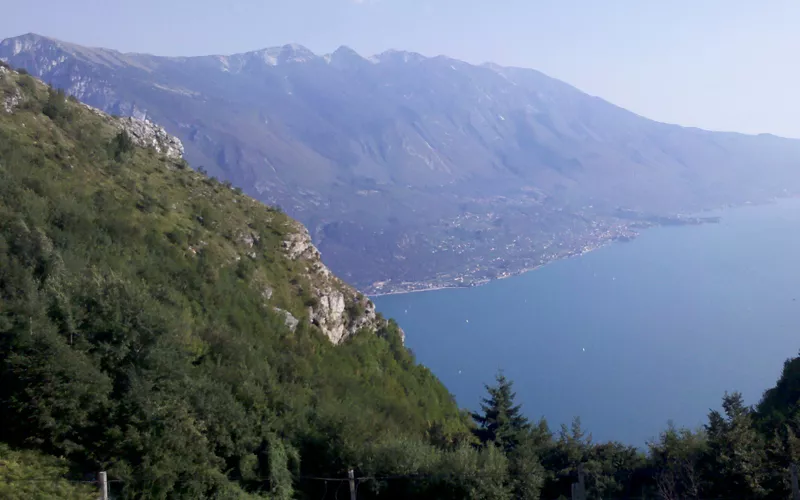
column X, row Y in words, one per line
column 149, row 135
column 145, row 133
column 290, row 321
column 10, row 102
column 338, row 311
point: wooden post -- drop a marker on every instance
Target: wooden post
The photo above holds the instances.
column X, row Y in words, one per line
column 795, row 488
column 351, row 477
column 579, row 488
column 102, row 483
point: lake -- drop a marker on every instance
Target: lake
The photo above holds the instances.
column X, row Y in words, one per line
column 631, row 335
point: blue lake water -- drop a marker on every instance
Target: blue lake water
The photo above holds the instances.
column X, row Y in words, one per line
column 631, row 335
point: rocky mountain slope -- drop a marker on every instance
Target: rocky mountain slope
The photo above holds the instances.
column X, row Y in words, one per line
column 410, row 169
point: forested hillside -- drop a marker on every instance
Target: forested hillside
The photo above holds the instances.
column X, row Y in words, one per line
column 158, row 324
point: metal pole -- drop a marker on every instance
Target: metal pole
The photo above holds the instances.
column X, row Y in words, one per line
column 352, row 478
column 102, row 482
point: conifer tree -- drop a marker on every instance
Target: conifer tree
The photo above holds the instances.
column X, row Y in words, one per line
column 500, row 421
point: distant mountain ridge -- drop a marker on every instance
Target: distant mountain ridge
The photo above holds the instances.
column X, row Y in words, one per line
column 413, row 171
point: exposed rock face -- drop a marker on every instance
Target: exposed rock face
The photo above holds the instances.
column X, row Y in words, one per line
column 146, row 134
column 291, row 321
column 339, row 310
column 149, row 135
column 10, row 102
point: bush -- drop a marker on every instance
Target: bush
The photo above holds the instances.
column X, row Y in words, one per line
column 121, row 145
column 27, row 83
column 27, row 474
column 56, row 106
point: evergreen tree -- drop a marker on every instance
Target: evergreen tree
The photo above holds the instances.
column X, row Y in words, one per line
column 500, row 421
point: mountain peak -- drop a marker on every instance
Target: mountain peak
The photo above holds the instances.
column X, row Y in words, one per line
column 344, row 55
column 28, row 42
column 400, row 56
column 291, row 52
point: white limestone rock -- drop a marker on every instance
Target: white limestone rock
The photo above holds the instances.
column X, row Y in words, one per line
column 338, row 310
column 145, row 133
column 10, row 102
column 290, row 321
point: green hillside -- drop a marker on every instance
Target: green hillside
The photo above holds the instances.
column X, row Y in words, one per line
column 136, row 331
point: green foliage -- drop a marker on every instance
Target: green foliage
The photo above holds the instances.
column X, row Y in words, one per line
column 500, row 422
column 121, row 145
column 677, row 459
column 56, row 107
column 736, row 450
column 27, row 474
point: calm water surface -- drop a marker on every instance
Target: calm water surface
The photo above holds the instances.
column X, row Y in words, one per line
column 631, row 335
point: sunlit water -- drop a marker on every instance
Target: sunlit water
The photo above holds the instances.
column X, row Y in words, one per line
column 631, row 335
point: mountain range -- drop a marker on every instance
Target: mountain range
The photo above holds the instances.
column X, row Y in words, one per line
column 414, row 172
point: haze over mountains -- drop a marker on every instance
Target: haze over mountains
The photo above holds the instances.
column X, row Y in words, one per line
column 412, row 171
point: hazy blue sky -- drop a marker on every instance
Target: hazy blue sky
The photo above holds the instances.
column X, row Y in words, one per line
column 719, row 64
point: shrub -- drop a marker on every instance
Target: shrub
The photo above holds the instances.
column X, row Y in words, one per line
column 121, row 145
column 56, row 106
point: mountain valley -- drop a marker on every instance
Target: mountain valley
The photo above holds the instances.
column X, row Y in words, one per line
column 414, row 172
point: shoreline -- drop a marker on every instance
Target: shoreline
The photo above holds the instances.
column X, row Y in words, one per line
column 701, row 221
column 498, row 278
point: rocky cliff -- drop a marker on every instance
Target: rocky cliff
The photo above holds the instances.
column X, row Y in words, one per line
column 337, row 309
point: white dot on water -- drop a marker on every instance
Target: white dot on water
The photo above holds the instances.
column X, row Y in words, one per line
column 584, row 349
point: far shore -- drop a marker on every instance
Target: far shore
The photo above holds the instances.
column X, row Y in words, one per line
column 534, row 268
column 489, row 280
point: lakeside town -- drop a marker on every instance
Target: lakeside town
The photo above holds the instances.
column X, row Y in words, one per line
column 527, row 253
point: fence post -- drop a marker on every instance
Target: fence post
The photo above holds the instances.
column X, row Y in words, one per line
column 579, row 488
column 795, row 488
column 351, row 477
column 102, row 483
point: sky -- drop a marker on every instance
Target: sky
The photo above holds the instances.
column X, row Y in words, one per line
column 715, row 64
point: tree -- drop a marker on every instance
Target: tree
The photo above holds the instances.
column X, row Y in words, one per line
column 500, row 422
column 56, row 106
column 736, row 454
column 676, row 459
column 525, row 466
column 778, row 419
column 121, row 144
